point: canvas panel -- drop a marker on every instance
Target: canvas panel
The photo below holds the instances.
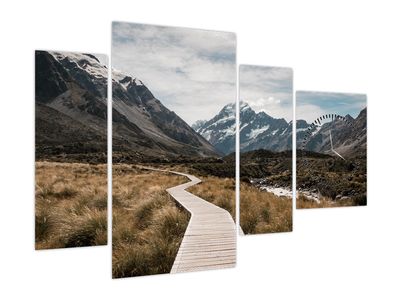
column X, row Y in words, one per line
column 266, row 112
column 331, row 149
column 174, row 92
column 70, row 149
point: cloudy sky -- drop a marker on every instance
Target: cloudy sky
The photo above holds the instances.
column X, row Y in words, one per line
column 311, row 105
column 268, row 89
column 191, row 71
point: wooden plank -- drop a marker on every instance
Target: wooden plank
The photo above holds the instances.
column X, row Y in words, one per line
column 210, row 238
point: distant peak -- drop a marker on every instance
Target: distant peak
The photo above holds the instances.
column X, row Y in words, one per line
column 243, row 105
column 229, row 105
column 362, row 113
column 228, row 109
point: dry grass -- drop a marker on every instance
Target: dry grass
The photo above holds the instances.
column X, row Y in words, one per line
column 304, row 202
column 148, row 226
column 71, row 205
column 263, row 212
column 219, row 191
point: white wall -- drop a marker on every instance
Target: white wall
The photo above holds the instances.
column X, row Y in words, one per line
column 346, row 46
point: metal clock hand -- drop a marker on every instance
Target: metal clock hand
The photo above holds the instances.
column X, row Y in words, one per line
column 330, row 136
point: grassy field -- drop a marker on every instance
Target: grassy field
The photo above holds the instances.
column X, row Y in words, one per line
column 325, row 202
column 71, row 205
column 260, row 212
column 148, row 226
column 263, row 212
column 219, row 191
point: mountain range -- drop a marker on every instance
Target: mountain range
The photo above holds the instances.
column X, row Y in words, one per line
column 71, row 114
column 71, row 120
column 349, row 136
column 258, row 130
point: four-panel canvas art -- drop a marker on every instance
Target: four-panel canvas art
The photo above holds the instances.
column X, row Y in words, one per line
column 174, row 128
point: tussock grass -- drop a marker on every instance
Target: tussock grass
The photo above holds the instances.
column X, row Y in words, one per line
column 217, row 190
column 71, row 205
column 325, row 202
column 148, row 226
column 260, row 211
column 263, row 212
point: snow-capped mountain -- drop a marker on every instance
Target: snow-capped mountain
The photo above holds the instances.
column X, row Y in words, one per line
column 261, row 131
column 71, row 106
column 220, row 130
column 71, row 113
column 257, row 130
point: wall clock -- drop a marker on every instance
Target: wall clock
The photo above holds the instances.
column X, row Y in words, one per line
column 331, row 138
column 331, row 150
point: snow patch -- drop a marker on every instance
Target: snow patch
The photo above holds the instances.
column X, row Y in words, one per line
column 228, row 132
column 301, row 129
column 243, row 126
column 207, row 134
column 256, row 132
column 84, row 62
column 125, row 84
column 228, row 118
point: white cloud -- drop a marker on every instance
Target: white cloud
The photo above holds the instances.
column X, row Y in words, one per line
column 309, row 112
column 191, row 71
column 268, row 89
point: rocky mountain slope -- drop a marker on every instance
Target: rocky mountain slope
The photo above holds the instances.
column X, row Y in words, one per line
column 71, row 114
column 71, row 107
column 349, row 136
column 144, row 128
column 220, row 130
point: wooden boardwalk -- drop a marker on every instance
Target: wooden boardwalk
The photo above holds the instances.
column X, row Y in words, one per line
column 210, row 238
